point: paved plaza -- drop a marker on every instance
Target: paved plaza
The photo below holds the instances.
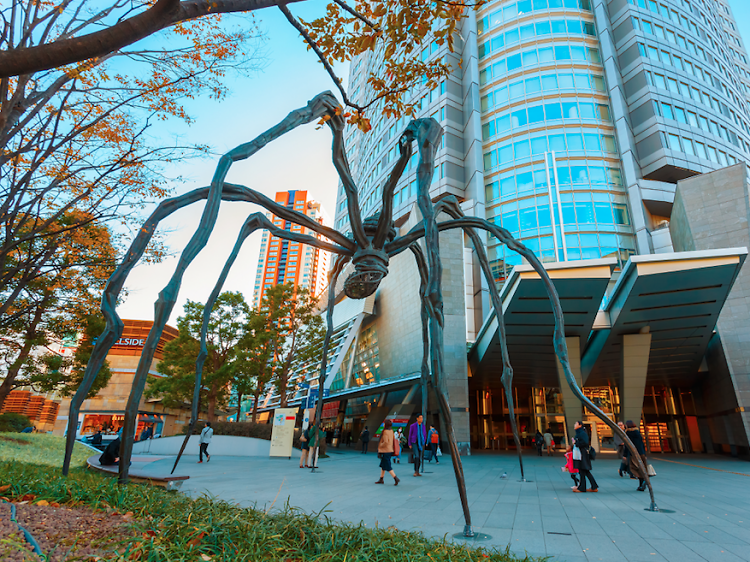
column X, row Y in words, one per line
column 710, row 497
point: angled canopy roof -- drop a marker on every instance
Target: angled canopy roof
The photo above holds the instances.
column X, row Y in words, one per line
column 677, row 298
column 529, row 321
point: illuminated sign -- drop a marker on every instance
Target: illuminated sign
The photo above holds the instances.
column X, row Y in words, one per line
column 130, row 341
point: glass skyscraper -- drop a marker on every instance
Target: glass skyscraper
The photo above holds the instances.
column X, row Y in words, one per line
column 569, row 122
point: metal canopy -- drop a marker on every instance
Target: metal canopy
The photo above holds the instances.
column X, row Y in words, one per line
column 677, row 298
column 529, row 321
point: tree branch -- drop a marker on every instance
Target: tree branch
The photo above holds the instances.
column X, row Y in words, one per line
column 314, row 46
column 356, row 14
column 165, row 13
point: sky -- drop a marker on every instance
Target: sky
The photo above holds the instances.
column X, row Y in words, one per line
column 300, row 160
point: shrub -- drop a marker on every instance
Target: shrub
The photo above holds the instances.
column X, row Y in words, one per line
column 14, row 422
column 245, row 429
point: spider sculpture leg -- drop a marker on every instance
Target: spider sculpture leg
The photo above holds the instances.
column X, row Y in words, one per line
column 428, row 315
column 254, row 222
column 450, row 206
column 316, row 108
column 338, row 266
column 560, row 346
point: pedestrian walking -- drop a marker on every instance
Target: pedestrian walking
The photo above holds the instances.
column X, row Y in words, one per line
column 433, row 441
column 387, row 449
column 582, row 458
column 365, row 438
column 205, row 441
column 398, row 435
column 637, row 439
column 417, row 440
column 549, row 441
column 570, row 467
column 304, row 440
column 620, row 446
column 539, row 442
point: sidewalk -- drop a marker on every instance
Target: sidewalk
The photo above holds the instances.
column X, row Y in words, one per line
column 542, row 517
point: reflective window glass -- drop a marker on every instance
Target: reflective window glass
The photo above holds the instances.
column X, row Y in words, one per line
column 544, row 218
column 505, row 154
column 562, row 52
column 533, row 85
column 586, row 110
column 688, row 145
column 579, row 174
column 592, row 142
column 557, row 143
column 609, row 143
column 597, row 175
column 511, row 36
column 546, row 54
column 514, row 62
column 540, row 179
column 497, row 42
column 510, row 222
column 569, row 214
column 565, row 81
column 527, row 31
column 621, row 214
column 502, row 123
column 563, row 174
column 501, row 95
column 549, row 82
column 553, row 111
column 522, row 149
column 536, row 114
column 516, row 90
column 558, row 26
column 508, row 187
column 582, row 81
column 543, row 28
column 574, row 26
column 539, row 145
column 528, row 217
column 530, row 58
column 525, row 182
column 575, row 142
column 518, row 118
column 570, row 110
column 491, row 191
column 585, row 214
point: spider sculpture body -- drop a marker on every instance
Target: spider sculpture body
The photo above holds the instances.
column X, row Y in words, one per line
column 371, row 244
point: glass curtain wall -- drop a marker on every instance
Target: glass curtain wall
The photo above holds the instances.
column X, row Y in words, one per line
column 550, row 156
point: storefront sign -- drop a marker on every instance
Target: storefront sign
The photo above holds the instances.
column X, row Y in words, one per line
column 282, row 433
column 131, row 342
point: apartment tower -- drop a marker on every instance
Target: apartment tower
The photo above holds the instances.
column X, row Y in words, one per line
column 283, row 261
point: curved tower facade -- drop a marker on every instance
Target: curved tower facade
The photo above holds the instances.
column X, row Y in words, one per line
column 569, row 123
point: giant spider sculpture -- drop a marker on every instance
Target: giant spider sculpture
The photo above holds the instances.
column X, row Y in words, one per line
column 372, row 243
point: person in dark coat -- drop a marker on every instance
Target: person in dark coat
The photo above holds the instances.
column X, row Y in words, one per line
column 539, row 442
column 637, row 439
column 581, row 441
column 365, row 438
column 620, row 445
column 111, row 454
column 96, row 439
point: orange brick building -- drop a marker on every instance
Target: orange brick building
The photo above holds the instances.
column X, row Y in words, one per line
column 106, row 410
column 283, row 261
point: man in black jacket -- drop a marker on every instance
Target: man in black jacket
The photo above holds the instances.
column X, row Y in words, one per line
column 365, row 437
column 581, row 441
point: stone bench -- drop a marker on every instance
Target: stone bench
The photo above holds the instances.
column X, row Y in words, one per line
column 170, row 482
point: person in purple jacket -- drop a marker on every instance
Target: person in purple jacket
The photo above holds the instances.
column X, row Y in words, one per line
column 417, row 439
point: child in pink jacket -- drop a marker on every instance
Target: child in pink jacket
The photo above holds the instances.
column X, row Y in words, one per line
column 569, row 466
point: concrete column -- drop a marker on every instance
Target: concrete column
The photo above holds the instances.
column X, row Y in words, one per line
column 571, row 404
column 635, row 352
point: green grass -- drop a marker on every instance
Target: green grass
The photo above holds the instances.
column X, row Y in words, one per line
column 171, row 527
column 40, row 449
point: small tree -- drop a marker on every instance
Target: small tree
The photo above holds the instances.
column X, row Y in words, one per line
column 226, row 329
column 253, row 370
column 294, row 327
column 64, row 375
column 54, row 306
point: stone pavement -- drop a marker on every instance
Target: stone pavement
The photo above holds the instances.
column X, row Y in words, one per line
column 711, row 519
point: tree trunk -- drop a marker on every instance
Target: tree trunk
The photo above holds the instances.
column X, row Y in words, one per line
column 239, row 405
column 10, row 377
column 256, row 395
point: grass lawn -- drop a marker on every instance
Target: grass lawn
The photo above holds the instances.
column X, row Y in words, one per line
column 169, row 527
column 40, row 448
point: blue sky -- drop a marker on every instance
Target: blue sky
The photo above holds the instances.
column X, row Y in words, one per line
column 301, row 160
